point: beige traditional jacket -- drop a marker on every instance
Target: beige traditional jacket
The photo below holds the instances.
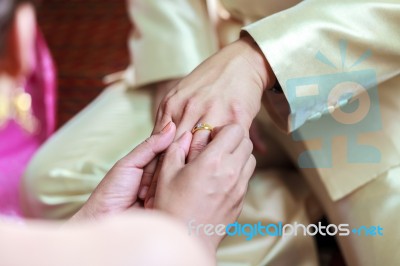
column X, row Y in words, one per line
column 326, row 54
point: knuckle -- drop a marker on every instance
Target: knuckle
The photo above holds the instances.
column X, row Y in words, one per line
column 237, row 110
column 120, row 163
column 229, row 184
column 231, row 174
column 249, row 144
column 172, row 149
column 168, row 105
column 253, row 160
column 151, row 142
column 198, row 146
column 237, row 130
column 214, row 163
column 242, row 189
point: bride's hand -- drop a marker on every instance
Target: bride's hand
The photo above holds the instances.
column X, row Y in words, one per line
column 117, row 192
column 211, row 188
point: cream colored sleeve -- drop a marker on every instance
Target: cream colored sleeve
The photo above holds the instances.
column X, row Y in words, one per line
column 169, row 38
column 318, row 42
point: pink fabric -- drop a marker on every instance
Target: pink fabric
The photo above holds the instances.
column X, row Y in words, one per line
column 16, row 145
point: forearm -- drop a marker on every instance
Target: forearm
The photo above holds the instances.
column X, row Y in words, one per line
column 141, row 239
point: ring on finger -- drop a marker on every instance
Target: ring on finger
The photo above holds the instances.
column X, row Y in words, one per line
column 202, row 126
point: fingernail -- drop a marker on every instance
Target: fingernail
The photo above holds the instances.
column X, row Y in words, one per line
column 166, row 128
column 143, row 192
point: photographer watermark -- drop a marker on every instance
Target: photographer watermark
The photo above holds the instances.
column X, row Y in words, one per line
column 281, row 230
column 340, row 104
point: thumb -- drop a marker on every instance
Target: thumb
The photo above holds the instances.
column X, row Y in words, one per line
column 118, row 190
column 175, row 157
column 169, row 164
column 143, row 154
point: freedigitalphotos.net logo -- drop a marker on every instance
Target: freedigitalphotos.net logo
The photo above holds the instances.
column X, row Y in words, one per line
column 281, row 230
column 327, row 106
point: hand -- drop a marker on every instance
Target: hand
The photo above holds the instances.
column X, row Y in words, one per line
column 117, row 192
column 211, row 188
column 162, row 88
column 226, row 88
column 259, row 144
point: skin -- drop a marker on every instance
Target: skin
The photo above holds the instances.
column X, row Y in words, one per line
column 134, row 239
column 214, row 196
column 129, row 239
column 218, row 177
column 226, row 88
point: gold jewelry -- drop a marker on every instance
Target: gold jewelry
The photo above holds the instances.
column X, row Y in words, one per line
column 202, row 126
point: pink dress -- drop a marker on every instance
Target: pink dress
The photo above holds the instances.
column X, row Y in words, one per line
column 17, row 145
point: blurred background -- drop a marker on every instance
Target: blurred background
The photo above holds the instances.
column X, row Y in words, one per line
column 88, row 40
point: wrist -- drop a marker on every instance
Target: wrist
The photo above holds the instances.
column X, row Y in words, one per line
column 260, row 66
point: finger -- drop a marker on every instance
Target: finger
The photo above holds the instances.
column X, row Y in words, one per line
column 161, row 120
column 128, row 172
column 161, row 91
column 137, row 205
column 150, row 146
column 149, row 170
column 200, row 140
column 242, row 152
column 168, row 111
column 201, row 137
column 216, row 131
column 148, row 173
column 143, row 154
column 227, row 139
column 150, row 203
column 164, row 113
column 175, row 156
column 173, row 159
column 248, row 169
column 189, row 119
column 153, row 186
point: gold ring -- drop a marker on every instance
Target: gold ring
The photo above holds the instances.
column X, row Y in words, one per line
column 202, row 126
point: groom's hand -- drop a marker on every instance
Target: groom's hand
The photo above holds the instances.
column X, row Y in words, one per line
column 226, row 88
